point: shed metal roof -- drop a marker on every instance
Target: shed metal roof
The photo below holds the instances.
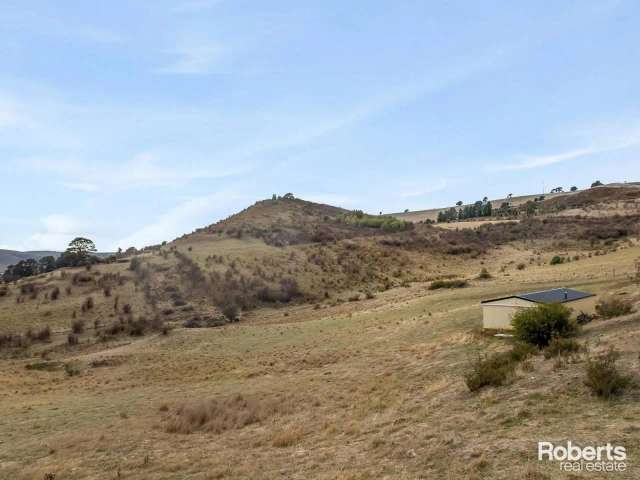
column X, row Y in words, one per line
column 554, row 295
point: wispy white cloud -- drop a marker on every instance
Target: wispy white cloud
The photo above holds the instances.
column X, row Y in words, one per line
column 54, row 233
column 145, row 170
column 195, row 58
column 601, row 140
column 181, row 219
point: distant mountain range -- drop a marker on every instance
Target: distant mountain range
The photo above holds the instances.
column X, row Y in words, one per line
column 11, row 257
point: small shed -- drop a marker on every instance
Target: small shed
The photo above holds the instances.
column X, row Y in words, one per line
column 498, row 312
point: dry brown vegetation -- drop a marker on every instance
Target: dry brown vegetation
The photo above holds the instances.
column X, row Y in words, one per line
column 308, row 384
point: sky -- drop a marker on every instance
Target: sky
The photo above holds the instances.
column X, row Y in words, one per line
column 133, row 122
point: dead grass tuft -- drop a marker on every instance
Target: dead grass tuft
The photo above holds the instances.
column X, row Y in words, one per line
column 219, row 415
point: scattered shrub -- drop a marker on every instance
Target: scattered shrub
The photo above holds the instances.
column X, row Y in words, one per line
column 77, row 326
column 603, row 378
column 55, row 293
column 448, row 284
column 127, row 309
column 12, row 341
column 539, row 325
column 231, row 311
column 557, row 260
column 613, row 307
column 135, row 264
column 72, row 368
column 42, row 335
column 87, row 304
column 521, row 266
column 496, row 370
column 562, row 347
column 583, row 318
column 491, row 371
column 484, row 274
column 72, row 339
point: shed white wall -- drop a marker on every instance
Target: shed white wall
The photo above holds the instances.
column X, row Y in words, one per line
column 498, row 315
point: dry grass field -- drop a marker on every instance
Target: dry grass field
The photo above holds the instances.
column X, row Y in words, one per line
column 364, row 382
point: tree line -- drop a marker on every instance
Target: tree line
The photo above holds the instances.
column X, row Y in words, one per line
column 481, row 208
column 80, row 252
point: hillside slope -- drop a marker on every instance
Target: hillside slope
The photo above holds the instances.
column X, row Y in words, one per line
column 579, row 199
column 298, row 340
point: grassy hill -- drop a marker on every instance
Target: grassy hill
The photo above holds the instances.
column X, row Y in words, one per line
column 579, row 199
column 344, row 361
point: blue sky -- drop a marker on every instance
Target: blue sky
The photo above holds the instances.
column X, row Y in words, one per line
column 134, row 122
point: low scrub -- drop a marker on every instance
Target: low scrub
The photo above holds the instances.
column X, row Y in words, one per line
column 603, row 377
column 540, row 325
column 448, row 284
column 497, row 369
column 13, row 341
column 77, row 326
column 557, row 260
column 484, row 274
column 562, row 347
column 42, row 335
column 613, row 307
column 386, row 223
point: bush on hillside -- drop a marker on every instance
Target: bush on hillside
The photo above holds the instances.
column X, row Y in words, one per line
column 613, row 307
column 384, row 222
column 77, row 326
column 484, row 274
column 557, row 260
column 448, row 284
column 496, row 370
column 539, row 325
column 603, row 377
column 562, row 347
column 230, row 310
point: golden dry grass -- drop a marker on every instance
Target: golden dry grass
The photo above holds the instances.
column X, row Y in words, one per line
column 354, row 390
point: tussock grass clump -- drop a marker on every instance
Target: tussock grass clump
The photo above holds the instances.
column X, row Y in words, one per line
column 484, row 274
column 562, row 347
column 448, row 284
column 55, row 293
column 77, row 326
column 42, row 335
column 13, row 341
column 87, row 304
column 72, row 368
column 613, row 307
column 288, row 437
column 219, row 415
column 539, row 325
column 497, row 369
column 603, row 377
